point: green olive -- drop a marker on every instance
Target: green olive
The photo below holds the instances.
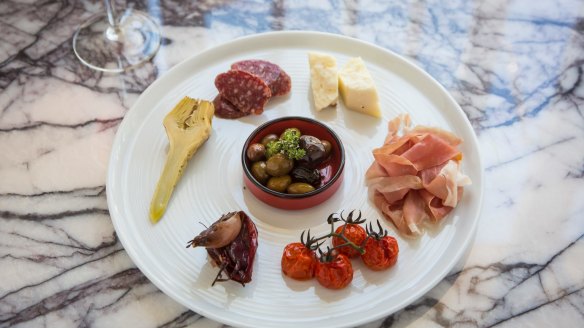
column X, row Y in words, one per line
column 258, row 170
column 279, row 183
column 327, row 147
column 296, row 130
column 299, row 188
column 279, row 165
column 270, row 137
column 255, row 152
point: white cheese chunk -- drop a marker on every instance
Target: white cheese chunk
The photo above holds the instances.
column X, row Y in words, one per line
column 358, row 89
column 324, row 80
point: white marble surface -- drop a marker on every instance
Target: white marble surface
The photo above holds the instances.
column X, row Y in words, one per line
column 515, row 67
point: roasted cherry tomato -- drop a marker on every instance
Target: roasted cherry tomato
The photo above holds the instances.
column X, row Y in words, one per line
column 355, row 233
column 381, row 253
column 298, row 262
column 334, row 274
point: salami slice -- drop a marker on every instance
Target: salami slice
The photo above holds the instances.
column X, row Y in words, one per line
column 246, row 91
column 274, row 76
column 225, row 109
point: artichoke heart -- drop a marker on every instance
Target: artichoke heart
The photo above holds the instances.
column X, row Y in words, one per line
column 187, row 126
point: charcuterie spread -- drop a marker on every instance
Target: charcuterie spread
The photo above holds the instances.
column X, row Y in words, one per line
column 414, row 180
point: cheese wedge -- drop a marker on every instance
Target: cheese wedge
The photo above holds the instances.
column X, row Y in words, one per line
column 324, row 80
column 358, row 89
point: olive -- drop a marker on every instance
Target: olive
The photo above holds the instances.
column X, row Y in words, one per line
column 279, row 165
column 279, row 183
column 315, row 151
column 305, row 174
column 270, row 137
column 295, row 130
column 256, row 152
column 327, row 148
column 258, row 171
column 299, row 188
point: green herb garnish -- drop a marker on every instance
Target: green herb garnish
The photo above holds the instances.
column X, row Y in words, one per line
column 287, row 145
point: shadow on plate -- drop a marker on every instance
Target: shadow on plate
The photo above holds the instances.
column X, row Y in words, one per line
column 232, row 289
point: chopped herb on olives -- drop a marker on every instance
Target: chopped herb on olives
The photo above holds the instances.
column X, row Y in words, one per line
column 287, row 145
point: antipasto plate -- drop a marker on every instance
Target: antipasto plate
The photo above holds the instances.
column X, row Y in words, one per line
column 212, row 184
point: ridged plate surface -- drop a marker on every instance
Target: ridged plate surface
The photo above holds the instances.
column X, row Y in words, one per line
column 212, row 185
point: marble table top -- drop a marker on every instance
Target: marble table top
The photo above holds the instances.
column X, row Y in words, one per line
column 515, row 68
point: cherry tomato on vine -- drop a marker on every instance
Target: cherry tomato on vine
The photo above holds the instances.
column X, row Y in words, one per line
column 354, row 233
column 381, row 253
column 298, row 262
column 334, row 274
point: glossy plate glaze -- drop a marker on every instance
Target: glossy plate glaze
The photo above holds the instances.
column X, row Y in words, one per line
column 212, row 184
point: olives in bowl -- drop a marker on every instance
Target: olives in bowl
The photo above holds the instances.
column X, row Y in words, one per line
column 293, row 163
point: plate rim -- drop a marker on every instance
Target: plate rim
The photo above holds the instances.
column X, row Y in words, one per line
column 168, row 75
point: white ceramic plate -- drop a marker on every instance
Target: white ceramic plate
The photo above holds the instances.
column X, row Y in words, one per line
column 212, row 185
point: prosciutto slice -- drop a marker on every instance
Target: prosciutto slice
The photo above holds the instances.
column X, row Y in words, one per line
column 416, row 176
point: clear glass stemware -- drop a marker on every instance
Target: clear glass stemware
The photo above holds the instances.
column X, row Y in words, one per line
column 111, row 43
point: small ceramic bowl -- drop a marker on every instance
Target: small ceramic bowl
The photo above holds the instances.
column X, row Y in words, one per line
column 331, row 169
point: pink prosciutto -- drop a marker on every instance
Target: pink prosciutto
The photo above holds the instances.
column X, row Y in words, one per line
column 416, row 175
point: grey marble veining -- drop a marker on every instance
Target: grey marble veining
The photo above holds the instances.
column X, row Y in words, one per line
column 515, row 67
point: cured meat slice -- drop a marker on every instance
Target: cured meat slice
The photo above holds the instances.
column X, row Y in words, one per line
column 414, row 211
column 225, row 109
column 395, row 165
column 274, row 76
column 246, row 91
column 416, row 175
column 430, row 151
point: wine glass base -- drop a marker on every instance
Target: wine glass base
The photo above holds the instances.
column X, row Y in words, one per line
column 100, row 46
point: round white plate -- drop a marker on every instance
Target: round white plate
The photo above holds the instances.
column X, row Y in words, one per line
column 212, row 185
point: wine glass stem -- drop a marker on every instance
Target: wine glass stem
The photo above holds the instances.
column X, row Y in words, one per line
column 113, row 33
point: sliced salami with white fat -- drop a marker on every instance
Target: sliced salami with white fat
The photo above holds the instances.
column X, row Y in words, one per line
column 246, row 91
column 274, row 76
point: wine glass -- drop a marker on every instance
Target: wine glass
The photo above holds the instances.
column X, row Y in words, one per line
column 115, row 44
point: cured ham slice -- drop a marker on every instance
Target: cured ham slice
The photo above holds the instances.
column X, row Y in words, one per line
column 416, row 176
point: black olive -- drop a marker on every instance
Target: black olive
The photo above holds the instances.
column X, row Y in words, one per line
column 327, row 147
column 306, row 175
column 315, row 151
